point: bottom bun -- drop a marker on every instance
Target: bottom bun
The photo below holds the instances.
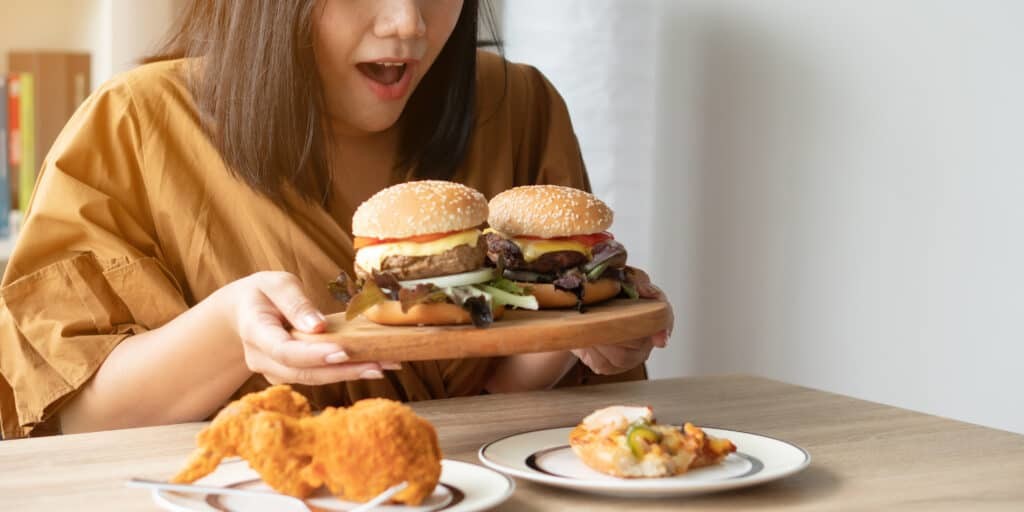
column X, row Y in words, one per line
column 390, row 313
column 549, row 297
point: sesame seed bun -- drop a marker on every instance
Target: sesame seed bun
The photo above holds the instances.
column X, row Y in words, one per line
column 420, row 208
column 548, row 211
column 549, row 297
column 390, row 313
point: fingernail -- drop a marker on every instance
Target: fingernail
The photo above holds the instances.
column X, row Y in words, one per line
column 661, row 339
column 312, row 321
column 337, row 357
column 371, row 374
column 391, row 366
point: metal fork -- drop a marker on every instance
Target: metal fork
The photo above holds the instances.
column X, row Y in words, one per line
column 226, row 491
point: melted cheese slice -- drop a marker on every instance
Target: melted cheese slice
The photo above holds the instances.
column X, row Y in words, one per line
column 533, row 249
column 372, row 257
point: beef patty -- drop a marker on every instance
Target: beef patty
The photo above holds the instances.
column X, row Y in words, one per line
column 506, row 254
column 464, row 258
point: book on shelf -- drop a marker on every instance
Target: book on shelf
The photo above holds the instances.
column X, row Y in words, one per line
column 27, row 166
column 59, row 83
column 13, row 137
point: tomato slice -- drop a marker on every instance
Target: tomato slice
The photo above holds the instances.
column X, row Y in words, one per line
column 361, row 241
column 587, row 240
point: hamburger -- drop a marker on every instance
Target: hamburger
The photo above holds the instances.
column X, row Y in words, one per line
column 420, row 259
column 553, row 242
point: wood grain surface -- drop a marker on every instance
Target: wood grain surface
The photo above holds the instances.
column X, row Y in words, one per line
column 518, row 332
column 866, row 456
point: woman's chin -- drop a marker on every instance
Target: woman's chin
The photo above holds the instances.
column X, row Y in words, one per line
column 368, row 124
column 381, row 124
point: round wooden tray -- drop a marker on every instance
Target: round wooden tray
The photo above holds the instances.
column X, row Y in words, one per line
column 518, row 332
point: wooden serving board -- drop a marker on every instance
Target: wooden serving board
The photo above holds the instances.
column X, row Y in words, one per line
column 518, row 332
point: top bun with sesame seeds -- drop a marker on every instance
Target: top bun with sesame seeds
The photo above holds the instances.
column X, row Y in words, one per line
column 419, row 208
column 548, row 211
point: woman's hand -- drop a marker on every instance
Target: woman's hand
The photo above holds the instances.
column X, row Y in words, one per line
column 621, row 357
column 527, row 372
column 261, row 306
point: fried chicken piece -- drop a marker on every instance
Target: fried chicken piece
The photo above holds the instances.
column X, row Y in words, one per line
column 264, row 444
column 627, row 442
column 375, row 444
column 357, row 452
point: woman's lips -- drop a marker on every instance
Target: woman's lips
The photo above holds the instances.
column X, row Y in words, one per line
column 388, row 79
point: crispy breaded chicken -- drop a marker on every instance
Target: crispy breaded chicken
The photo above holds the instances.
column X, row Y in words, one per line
column 383, row 435
column 231, row 434
column 628, row 442
column 358, row 452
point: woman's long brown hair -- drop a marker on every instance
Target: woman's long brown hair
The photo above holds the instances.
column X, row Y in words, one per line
column 260, row 99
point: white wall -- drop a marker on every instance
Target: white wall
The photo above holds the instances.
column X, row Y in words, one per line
column 141, row 26
column 837, row 186
column 115, row 32
column 48, row 25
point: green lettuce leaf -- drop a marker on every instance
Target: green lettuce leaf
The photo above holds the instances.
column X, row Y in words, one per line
column 367, row 298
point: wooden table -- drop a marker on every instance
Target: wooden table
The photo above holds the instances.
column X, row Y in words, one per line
column 866, row 456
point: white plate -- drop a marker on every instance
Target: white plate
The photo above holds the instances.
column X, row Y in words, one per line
column 464, row 487
column 544, row 456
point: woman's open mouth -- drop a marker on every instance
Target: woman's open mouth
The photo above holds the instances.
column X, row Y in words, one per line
column 387, row 79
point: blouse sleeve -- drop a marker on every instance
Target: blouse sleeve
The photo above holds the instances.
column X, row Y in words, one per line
column 86, row 271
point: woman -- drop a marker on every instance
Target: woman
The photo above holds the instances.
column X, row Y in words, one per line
column 191, row 209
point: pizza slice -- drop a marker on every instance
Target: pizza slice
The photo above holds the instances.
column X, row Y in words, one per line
column 628, row 442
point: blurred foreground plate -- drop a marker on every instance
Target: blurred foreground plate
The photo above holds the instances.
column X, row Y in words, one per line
column 464, row 487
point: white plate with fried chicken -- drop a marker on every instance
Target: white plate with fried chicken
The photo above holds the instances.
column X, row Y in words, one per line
column 462, row 487
column 271, row 442
column 624, row 451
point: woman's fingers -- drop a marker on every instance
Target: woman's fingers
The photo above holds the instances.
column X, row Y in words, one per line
column 270, row 301
column 271, row 352
column 302, row 354
column 671, row 315
column 277, row 373
column 637, row 344
column 285, row 292
column 660, row 339
column 261, row 330
column 624, row 357
column 596, row 361
column 612, row 359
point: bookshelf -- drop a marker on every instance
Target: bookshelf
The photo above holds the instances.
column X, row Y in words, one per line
column 50, row 38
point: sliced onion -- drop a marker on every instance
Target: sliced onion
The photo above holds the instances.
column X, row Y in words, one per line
column 503, row 298
column 459, row 294
column 464, row 279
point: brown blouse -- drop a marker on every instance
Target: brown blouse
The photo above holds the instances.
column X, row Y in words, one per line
column 135, row 218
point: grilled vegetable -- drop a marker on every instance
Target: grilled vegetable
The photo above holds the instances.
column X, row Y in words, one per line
column 639, row 436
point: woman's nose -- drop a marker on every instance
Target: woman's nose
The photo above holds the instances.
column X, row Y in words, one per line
column 401, row 19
